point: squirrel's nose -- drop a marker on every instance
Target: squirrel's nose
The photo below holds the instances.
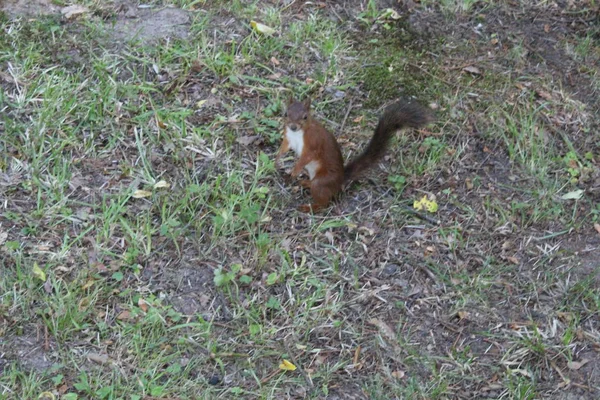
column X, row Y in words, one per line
column 294, row 127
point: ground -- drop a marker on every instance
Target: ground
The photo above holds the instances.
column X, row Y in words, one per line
column 150, row 248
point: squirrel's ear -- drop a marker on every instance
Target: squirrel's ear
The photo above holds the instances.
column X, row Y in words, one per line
column 307, row 103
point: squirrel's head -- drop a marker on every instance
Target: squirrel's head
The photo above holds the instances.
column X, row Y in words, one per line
column 297, row 114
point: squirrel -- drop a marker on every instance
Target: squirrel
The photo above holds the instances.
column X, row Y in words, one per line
column 319, row 153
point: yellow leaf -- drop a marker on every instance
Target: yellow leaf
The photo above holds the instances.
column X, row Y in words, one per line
column 38, row 273
column 88, row 284
column 425, row 204
column 287, row 366
column 161, row 184
column 138, row 194
column 46, row 396
column 200, row 103
column 261, row 28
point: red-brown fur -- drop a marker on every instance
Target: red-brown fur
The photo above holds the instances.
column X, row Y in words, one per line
column 320, row 146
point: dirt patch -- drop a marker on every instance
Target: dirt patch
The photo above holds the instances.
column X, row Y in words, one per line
column 132, row 22
column 533, row 40
column 28, row 7
column 27, row 350
column 149, row 25
column 584, row 249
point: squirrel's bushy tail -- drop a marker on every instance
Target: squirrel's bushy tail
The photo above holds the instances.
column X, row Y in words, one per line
column 396, row 116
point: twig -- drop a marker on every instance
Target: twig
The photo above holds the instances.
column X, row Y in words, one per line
column 346, row 117
column 428, row 272
column 422, row 216
column 46, row 339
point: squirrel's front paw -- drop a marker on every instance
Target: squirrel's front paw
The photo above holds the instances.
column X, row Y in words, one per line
column 305, row 183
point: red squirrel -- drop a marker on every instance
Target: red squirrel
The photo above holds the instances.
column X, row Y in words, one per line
column 320, row 154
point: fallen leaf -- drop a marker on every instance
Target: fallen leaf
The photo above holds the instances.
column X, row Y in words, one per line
column 565, row 316
column 390, row 13
column 523, row 372
column 356, row 355
column 46, row 396
column 573, row 164
column 204, row 300
column 275, row 61
column 62, row 268
column 138, row 194
column 367, row 231
column 546, row 28
column 287, row 366
column 88, row 284
column 398, row 374
column 161, row 184
column 513, row 260
column 425, row 204
column 124, row 315
column 83, row 304
column 358, row 119
column 472, row 70
column 247, row 140
column 38, row 273
column 469, row 184
column 48, row 286
column 544, row 95
column 200, row 103
column 261, row 28
column 575, row 365
column 101, row 359
column 330, row 237
column 62, row 389
column 574, row 195
column 462, row 315
column 73, row 11
column 3, row 237
column 143, row 305
column 384, row 329
column 597, row 227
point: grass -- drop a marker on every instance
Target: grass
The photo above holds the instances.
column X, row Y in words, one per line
column 151, row 248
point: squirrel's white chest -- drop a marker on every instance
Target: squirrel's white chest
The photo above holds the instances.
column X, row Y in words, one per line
column 295, row 140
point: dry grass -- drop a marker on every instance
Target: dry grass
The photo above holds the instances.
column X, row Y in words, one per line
column 151, row 250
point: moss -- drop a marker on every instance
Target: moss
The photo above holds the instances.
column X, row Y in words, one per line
column 388, row 75
column 385, row 70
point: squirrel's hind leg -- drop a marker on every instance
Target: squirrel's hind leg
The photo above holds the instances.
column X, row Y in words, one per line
column 322, row 190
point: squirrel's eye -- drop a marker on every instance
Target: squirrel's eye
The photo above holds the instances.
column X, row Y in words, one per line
column 305, row 117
